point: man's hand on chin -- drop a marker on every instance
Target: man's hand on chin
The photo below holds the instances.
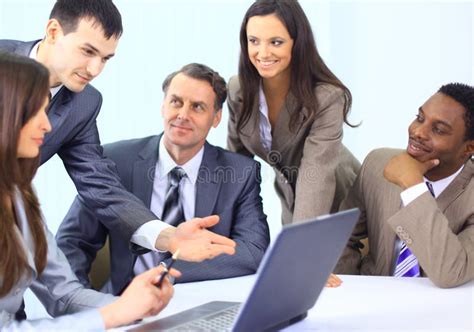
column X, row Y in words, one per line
column 405, row 171
column 194, row 241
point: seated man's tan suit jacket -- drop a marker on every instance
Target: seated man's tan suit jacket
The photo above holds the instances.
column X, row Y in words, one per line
column 439, row 232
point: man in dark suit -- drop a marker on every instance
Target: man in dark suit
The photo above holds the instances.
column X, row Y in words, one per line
column 80, row 37
column 416, row 205
column 216, row 182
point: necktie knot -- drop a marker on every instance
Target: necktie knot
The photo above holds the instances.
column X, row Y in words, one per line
column 175, row 175
column 430, row 188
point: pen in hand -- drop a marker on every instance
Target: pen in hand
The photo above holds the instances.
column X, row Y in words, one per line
column 166, row 269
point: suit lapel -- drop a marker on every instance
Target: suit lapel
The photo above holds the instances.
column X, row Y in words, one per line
column 142, row 182
column 251, row 132
column 59, row 107
column 24, row 48
column 144, row 170
column 282, row 137
column 207, row 183
column 58, row 111
column 457, row 187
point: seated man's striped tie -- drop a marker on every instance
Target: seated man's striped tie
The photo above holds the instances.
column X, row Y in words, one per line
column 407, row 264
column 173, row 213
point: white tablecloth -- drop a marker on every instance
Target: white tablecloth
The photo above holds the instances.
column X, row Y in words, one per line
column 360, row 303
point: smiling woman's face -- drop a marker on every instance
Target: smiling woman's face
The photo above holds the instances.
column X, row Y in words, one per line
column 269, row 46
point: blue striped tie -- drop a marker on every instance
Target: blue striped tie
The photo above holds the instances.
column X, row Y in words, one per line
column 407, row 264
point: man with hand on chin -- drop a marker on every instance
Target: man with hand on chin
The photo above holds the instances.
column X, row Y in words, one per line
column 416, row 205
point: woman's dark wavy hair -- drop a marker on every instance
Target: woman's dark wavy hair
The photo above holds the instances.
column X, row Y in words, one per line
column 307, row 67
column 24, row 85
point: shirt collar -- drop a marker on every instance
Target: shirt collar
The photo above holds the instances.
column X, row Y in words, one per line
column 440, row 185
column 166, row 163
column 34, row 51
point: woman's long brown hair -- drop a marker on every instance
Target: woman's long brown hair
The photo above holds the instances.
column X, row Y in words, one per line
column 307, row 66
column 24, row 85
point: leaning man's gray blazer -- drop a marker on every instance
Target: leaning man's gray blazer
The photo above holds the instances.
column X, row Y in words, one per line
column 75, row 139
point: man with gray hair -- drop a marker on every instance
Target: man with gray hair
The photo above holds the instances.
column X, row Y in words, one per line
column 179, row 176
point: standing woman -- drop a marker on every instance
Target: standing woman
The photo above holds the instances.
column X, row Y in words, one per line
column 288, row 108
column 29, row 257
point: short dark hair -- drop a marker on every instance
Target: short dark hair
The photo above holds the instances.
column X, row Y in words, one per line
column 463, row 94
column 103, row 12
column 204, row 73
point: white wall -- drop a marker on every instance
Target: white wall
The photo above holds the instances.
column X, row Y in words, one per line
column 392, row 55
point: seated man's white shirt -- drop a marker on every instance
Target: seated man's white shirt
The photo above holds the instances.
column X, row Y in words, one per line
column 412, row 193
column 187, row 195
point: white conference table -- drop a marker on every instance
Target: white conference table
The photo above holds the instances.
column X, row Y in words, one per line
column 361, row 303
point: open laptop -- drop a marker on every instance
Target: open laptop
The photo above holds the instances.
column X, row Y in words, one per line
column 289, row 280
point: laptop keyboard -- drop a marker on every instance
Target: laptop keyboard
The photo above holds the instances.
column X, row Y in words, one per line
column 220, row 321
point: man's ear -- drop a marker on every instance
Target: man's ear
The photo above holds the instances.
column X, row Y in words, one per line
column 469, row 148
column 217, row 118
column 53, row 31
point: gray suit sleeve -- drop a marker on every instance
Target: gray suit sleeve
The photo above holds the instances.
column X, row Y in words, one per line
column 84, row 321
column 316, row 183
column 96, row 180
column 350, row 260
column 234, row 105
column 58, row 288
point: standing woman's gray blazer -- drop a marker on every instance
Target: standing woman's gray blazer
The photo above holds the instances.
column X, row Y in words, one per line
column 314, row 171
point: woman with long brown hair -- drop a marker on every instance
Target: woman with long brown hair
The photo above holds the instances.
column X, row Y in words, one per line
column 29, row 257
column 288, row 108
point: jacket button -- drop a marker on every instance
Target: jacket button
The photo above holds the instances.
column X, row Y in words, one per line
column 399, row 229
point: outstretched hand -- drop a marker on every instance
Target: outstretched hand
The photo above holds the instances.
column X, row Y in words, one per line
column 405, row 171
column 194, row 241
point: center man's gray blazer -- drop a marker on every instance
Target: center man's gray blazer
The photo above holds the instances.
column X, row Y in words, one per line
column 75, row 139
column 228, row 185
